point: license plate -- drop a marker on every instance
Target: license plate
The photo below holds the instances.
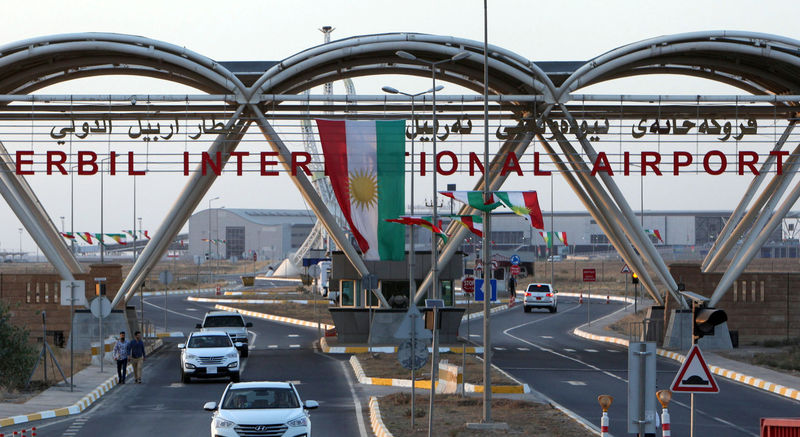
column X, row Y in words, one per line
column 211, row 370
column 538, row 298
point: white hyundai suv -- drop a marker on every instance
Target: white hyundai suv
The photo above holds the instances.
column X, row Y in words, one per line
column 260, row 409
column 540, row 296
column 209, row 355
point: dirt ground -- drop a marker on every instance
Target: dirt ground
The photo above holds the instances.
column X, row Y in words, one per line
column 82, row 360
column 387, row 366
column 452, row 412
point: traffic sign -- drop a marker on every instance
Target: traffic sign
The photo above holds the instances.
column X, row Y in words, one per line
column 412, row 354
column 413, row 324
column 165, row 277
column 625, row 269
column 468, row 285
column 514, row 260
column 589, row 275
column 479, row 290
column 79, row 293
column 514, row 269
column 694, row 375
column 100, row 307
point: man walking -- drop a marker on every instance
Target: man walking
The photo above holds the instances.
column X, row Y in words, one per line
column 137, row 355
column 120, row 354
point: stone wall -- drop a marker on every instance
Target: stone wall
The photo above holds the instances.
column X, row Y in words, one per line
column 760, row 306
column 28, row 294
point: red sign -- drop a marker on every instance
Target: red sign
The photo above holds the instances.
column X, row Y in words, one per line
column 255, row 256
column 468, row 285
column 589, row 275
column 694, row 375
column 514, row 270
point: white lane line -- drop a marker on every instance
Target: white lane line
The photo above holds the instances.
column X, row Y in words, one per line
column 272, row 346
column 294, row 346
column 523, row 349
column 191, row 309
column 591, row 350
column 473, row 335
column 575, row 382
column 253, row 341
column 359, row 418
column 569, row 350
column 545, row 336
column 499, row 348
column 173, row 312
column 611, row 350
column 294, row 335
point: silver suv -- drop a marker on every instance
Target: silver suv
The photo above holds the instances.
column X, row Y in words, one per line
column 209, row 355
column 230, row 322
column 541, row 296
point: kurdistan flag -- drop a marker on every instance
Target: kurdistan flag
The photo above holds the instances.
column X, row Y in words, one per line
column 524, row 203
column 472, row 222
column 473, row 199
column 365, row 160
column 425, row 222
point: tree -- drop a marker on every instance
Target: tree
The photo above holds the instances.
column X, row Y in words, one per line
column 17, row 356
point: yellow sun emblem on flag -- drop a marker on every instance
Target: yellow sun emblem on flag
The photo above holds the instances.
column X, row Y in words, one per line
column 363, row 188
column 521, row 210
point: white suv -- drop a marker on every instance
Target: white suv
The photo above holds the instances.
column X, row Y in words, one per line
column 540, row 296
column 230, row 322
column 261, row 409
column 209, row 355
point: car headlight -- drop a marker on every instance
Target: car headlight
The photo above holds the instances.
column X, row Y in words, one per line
column 298, row 421
column 233, row 364
column 191, row 356
column 232, row 355
column 190, row 366
column 223, row 423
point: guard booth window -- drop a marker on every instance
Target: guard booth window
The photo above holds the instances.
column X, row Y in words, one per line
column 349, row 296
column 447, row 293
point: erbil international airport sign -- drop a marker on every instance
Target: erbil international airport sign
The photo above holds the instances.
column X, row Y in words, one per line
column 448, row 161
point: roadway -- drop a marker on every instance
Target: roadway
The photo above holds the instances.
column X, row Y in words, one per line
column 539, row 349
column 164, row 406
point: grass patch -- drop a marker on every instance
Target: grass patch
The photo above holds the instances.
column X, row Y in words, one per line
column 453, row 412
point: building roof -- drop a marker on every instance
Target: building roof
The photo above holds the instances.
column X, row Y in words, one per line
column 268, row 216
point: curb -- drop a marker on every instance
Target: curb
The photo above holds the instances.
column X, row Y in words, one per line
column 280, row 319
column 378, row 427
column 323, row 345
column 479, row 314
column 721, row 371
column 256, row 301
column 362, row 378
column 75, row 408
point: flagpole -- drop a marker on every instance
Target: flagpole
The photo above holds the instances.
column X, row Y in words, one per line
column 487, row 231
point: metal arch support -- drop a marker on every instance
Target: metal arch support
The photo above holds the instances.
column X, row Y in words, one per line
column 182, row 209
column 517, row 145
column 605, row 207
column 627, row 219
column 312, row 197
column 754, row 243
column 716, row 255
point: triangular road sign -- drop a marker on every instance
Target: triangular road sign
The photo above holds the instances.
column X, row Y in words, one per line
column 625, row 269
column 413, row 323
column 694, row 376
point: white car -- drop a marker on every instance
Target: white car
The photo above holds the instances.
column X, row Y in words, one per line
column 540, row 296
column 209, row 355
column 261, row 409
column 230, row 322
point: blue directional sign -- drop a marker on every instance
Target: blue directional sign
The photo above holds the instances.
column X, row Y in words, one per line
column 479, row 290
column 514, row 260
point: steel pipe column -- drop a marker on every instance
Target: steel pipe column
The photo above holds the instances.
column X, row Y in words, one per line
column 313, row 198
column 193, row 192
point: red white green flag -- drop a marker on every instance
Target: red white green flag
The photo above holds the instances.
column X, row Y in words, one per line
column 548, row 238
column 69, row 235
column 425, row 222
column 655, row 233
column 119, row 238
column 472, row 222
column 85, row 236
column 523, row 203
column 365, row 160
column 563, row 237
column 474, row 199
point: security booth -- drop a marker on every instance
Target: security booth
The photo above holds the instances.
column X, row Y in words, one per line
column 358, row 316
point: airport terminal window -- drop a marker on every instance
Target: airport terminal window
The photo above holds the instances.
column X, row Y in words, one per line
column 507, row 237
column 348, row 291
column 599, row 239
column 234, row 241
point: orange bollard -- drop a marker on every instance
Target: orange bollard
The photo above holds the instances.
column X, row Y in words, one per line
column 580, row 299
column 608, row 299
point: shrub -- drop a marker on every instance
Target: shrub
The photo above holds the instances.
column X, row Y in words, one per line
column 17, row 356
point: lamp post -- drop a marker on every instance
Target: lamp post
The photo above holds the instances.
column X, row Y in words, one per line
column 434, row 248
column 102, row 240
column 20, row 244
column 208, row 254
column 412, row 281
column 72, row 206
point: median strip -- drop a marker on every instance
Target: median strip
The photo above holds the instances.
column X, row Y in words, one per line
column 256, row 301
column 274, row 318
column 378, row 427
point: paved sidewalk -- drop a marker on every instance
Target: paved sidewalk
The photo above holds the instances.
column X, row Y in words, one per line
column 756, row 376
column 58, row 400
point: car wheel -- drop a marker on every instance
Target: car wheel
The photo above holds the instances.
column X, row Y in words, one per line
column 553, row 309
column 245, row 351
column 527, row 309
column 235, row 377
column 185, row 378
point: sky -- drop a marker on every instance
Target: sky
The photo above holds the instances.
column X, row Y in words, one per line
column 271, row 30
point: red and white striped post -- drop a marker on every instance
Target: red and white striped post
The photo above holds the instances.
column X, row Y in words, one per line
column 608, row 299
column 580, row 299
column 33, row 432
column 664, row 396
column 605, row 402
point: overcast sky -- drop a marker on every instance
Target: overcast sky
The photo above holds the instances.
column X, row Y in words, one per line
column 272, row 30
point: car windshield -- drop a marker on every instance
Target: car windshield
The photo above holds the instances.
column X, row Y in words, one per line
column 223, row 322
column 257, row 398
column 199, row 341
column 538, row 288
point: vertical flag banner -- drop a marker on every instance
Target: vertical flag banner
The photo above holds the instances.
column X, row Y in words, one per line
column 548, row 238
column 365, row 160
column 655, row 233
column 85, row 236
column 473, row 199
column 119, row 238
column 472, row 222
column 69, row 235
column 563, row 237
column 146, row 235
column 524, row 203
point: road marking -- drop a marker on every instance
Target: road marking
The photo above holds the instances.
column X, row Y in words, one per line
column 611, row 350
column 523, row 349
column 253, row 341
column 294, row 335
column 499, row 348
column 173, row 312
column 272, row 346
column 575, row 382
column 569, row 350
column 191, row 309
column 294, row 346
column 473, row 335
column 546, row 336
column 176, row 385
column 590, row 350
column 359, row 418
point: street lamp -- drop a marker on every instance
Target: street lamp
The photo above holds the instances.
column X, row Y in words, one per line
column 434, row 248
column 102, row 239
column 20, row 244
